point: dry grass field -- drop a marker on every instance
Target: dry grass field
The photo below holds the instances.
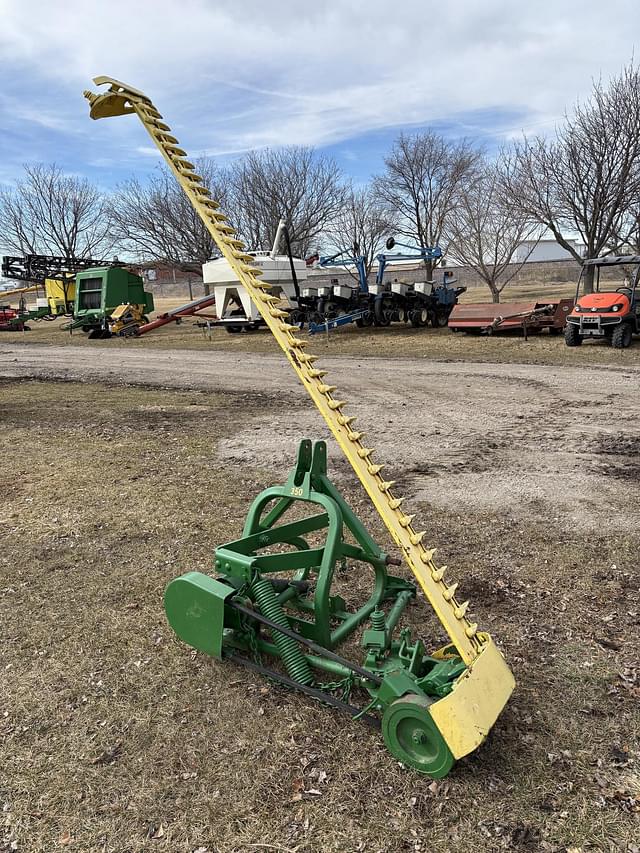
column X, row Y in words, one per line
column 116, row 738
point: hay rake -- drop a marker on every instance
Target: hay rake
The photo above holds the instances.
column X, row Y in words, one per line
column 433, row 708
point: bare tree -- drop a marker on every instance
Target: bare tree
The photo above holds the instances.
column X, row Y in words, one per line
column 628, row 237
column 362, row 222
column 52, row 213
column 294, row 183
column 423, row 175
column 584, row 181
column 156, row 220
column 485, row 231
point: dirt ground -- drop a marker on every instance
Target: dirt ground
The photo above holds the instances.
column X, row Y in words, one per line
column 129, row 464
column 391, row 343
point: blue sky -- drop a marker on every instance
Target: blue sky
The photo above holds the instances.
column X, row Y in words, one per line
column 345, row 76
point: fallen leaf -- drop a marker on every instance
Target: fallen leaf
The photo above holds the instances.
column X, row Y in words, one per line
column 65, row 838
column 297, row 787
column 159, row 833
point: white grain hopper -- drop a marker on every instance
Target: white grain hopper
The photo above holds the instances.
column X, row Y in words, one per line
column 233, row 304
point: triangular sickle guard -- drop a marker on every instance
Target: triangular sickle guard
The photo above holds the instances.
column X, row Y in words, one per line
column 121, row 99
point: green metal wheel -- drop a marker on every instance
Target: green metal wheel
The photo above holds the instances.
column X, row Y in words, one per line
column 414, row 739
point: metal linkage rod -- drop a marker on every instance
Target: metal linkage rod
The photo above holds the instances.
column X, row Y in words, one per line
column 319, row 650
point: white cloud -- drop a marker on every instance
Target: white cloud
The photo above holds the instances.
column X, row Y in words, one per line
column 235, row 74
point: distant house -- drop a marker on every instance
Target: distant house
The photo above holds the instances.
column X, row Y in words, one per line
column 545, row 250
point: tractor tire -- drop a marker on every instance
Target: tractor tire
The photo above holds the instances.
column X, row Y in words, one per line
column 419, row 318
column 381, row 316
column 622, row 336
column 440, row 319
column 572, row 336
column 365, row 320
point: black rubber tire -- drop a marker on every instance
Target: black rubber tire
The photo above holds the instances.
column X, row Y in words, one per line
column 572, row 336
column 622, row 336
column 440, row 319
column 419, row 318
column 296, row 318
column 364, row 321
column 329, row 308
column 381, row 316
column 233, row 330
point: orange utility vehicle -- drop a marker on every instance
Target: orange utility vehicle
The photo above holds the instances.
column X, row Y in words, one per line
column 609, row 312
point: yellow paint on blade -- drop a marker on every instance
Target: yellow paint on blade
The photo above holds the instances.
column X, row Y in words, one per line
column 466, row 715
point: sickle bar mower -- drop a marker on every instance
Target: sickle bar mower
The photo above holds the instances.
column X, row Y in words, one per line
column 434, row 708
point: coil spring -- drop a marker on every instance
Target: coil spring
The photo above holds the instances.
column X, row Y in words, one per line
column 294, row 661
column 378, row 620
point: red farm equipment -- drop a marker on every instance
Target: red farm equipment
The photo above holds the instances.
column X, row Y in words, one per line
column 12, row 320
column 487, row 318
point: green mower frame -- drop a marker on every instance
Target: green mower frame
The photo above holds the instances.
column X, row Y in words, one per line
column 299, row 621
